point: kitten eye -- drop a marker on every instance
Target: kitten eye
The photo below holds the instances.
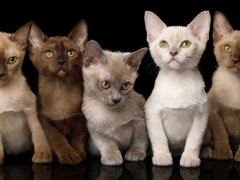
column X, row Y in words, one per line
column 227, row 48
column 105, row 85
column 71, row 53
column 163, row 44
column 48, row 53
column 126, row 86
column 12, row 60
column 185, row 44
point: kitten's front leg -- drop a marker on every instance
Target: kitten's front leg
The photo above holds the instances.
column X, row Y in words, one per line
column 42, row 150
column 190, row 156
column 1, row 150
column 158, row 138
column 79, row 138
column 110, row 154
column 137, row 150
column 65, row 153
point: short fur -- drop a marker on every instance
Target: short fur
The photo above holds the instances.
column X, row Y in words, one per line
column 224, row 97
column 115, row 117
column 177, row 110
column 59, row 63
column 19, row 124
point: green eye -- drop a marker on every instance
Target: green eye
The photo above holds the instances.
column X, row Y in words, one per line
column 71, row 53
column 105, row 85
column 163, row 44
column 227, row 48
column 12, row 60
column 185, row 44
column 48, row 53
column 126, row 86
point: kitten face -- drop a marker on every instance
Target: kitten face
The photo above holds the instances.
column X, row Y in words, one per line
column 177, row 47
column 109, row 77
column 12, row 51
column 58, row 56
column 226, row 43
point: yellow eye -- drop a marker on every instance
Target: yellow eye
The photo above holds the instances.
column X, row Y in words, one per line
column 105, row 85
column 185, row 44
column 227, row 48
column 71, row 53
column 126, row 86
column 163, row 44
column 12, row 60
column 48, row 53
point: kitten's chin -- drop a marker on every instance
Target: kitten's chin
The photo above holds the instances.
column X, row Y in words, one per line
column 61, row 72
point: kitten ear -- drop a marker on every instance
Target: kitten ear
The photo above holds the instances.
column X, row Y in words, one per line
column 200, row 26
column 135, row 58
column 154, row 26
column 221, row 26
column 36, row 37
column 93, row 54
column 79, row 35
column 21, row 36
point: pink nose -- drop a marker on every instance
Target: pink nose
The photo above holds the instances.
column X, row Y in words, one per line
column 173, row 53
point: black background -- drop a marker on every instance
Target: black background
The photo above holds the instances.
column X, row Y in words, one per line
column 116, row 25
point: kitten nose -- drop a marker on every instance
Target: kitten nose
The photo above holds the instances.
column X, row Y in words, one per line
column 60, row 62
column 116, row 100
column 173, row 53
column 2, row 74
column 235, row 59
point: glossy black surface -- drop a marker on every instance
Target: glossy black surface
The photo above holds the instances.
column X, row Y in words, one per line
column 21, row 168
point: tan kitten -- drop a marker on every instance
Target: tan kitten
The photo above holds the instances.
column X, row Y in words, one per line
column 60, row 87
column 114, row 111
column 19, row 125
column 224, row 95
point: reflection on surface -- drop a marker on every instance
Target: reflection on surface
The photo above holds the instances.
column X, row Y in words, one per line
column 21, row 168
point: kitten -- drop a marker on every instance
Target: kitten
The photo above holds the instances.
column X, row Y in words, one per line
column 114, row 111
column 60, row 87
column 177, row 110
column 224, row 99
column 19, row 125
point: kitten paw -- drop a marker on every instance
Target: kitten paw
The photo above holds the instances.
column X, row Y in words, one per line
column 206, row 152
column 163, row 159
column 237, row 156
column 70, row 157
column 222, row 154
column 135, row 155
column 189, row 160
column 113, row 159
column 42, row 156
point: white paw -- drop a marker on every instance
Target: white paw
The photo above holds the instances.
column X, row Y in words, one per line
column 189, row 160
column 112, row 159
column 162, row 159
column 135, row 155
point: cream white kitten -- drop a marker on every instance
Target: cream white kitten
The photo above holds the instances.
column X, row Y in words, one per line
column 177, row 110
column 114, row 111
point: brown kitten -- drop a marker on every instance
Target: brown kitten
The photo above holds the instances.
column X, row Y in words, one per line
column 224, row 99
column 19, row 125
column 59, row 63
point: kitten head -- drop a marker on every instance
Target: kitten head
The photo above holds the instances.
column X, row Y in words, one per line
column 12, row 51
column 109, row 77
column 226, row 43
column 58, row 56
column 177, row 47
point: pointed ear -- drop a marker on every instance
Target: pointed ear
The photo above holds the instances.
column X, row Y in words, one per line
column 221, row 26
column 93, row 54
column 135, row 58
column 79, row 35
column 21, row 36
column 200, row 26
column 154, row 26
column 36, row 38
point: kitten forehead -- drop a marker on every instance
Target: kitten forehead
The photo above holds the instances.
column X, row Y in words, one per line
column 7, row 47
